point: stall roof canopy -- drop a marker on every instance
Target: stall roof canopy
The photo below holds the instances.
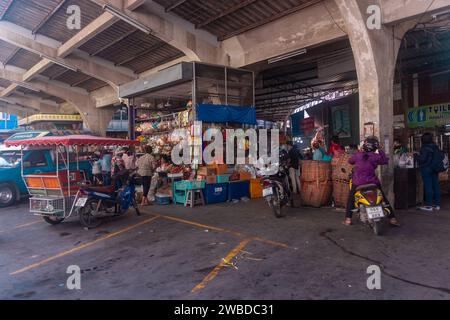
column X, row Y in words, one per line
column 71, row 140
column 176, row 74
column 176, row 77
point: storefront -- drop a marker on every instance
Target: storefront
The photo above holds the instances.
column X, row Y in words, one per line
column 176, row 107
column 338, row 118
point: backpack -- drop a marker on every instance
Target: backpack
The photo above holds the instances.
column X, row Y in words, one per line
column 440, row 161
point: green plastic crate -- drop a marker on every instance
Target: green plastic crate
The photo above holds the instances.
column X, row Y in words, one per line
column 224, row 178
column 179, row 197
column 189, row 185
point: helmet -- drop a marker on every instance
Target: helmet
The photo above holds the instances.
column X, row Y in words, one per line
column 371, row 144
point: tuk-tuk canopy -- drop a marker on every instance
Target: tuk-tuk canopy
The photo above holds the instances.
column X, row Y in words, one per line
column 72, row 140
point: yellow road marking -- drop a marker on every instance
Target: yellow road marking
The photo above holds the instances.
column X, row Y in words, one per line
column 239, row 234
column 82, row 246
column 21, row 226
column 200, row 225
column 273, row 243
column 224, row 262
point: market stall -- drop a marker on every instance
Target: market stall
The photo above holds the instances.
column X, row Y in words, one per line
column 165, row 109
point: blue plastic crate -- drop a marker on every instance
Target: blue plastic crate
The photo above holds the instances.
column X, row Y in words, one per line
column 238, row 190
column 216, row 193
column 162, row 200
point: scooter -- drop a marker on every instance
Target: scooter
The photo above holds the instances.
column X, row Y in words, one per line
column 93, row 204
column 277, row 191
column 371, row 207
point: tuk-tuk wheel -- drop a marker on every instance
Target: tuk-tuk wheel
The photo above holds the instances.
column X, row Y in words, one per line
column 7, row 195
column 53, row 220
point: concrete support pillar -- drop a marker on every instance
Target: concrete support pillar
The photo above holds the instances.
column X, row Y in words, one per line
column 375, row 53
column 96, row 119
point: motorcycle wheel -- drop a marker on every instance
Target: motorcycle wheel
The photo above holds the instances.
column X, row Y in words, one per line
column 377, row 227
column 135, row 206
column 276, row 205
column 87, row 219
column 53, row 220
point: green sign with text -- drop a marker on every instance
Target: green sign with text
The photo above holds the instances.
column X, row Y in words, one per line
column 429, row 116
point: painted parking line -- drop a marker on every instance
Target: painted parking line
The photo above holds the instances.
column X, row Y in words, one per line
column 222, row 264
column 201, row 225
column 82, row 246
column 236, row 233
column 21, row 226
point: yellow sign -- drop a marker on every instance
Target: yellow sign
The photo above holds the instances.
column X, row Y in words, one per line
column 50, row 117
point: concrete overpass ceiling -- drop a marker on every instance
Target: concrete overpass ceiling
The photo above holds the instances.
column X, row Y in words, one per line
column 4, row 83
column 226, row 19
column 129, row 47
column 38, row 94
column 286, row 85
column 6, row 51
column 72, row 78
column 49, row 17
column 426, row 48
column 23, row 59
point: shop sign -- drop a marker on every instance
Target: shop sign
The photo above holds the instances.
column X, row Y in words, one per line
column 341, row 122
column 51, row 117
column 429, row 116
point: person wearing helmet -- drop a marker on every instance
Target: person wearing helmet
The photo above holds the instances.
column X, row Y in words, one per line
column 365, row 164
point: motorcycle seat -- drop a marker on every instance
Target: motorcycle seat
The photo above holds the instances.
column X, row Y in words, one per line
column 102, row 189
column 366, row 187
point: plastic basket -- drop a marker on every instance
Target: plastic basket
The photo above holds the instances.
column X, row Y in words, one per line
column 189, row 185
column 162, row 200
column 223, row 178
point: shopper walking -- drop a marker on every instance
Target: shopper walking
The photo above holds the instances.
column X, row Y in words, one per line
column 427, row 163
column 294, row 158
column 146, row 165
column 106, row 168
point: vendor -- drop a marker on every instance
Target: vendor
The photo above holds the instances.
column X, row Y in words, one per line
column 335, row 147
column 160, row 176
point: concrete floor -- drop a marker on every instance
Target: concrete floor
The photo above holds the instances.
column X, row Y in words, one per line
column 178, row 255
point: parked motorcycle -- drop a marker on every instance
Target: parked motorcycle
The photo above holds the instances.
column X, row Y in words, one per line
column 93, row 204
column 277, row 191
column 370, row 206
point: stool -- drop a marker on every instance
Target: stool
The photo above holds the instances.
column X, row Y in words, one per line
column 192, row 198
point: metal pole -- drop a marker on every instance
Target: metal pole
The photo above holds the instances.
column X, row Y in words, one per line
column 194, row 92
column 226, row 86
column 68, row 169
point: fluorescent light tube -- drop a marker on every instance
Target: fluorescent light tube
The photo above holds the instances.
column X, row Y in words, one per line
column 287, row 56
column 121, row 15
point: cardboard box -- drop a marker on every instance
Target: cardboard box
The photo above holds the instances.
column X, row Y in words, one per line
column 206, row 171
column 245, row 176
column 211, row 179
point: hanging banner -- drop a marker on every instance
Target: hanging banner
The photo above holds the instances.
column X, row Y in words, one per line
column 341, row 122
column 429, row 116
column 226, row 113
column 296, row 120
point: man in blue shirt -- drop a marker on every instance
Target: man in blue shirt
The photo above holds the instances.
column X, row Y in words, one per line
column 106, row 168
